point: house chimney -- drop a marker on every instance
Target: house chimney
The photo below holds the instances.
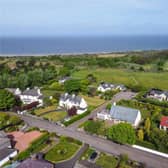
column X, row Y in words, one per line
column 38, row 91
column 114, row 103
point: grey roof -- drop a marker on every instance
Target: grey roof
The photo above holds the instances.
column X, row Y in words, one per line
column 12, row 90
column 156, row 91
column 32, row 163
column 6, row 152
column 2, row 134
column 4, row 140
column 73, row 98
column 106, row 85
column 31, row 92
column 124, row 113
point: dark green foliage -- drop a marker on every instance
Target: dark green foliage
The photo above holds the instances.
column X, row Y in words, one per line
column 9, row 121
column 93, row 127
column 7, row 100
column 109, row 94
column 73, row 85
column 159, row 138
column 122, row 133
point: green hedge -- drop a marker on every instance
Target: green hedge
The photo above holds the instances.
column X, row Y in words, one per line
column 78, row 117
column 145, row 144
column 35, row 146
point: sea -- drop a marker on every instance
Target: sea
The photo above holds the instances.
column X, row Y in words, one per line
column 78, row 45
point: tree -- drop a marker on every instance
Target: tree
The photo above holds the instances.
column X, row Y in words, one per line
column 72, row 111
column 91, row 78
column 93, row 126
column 147, row 126
column 122, row 133
column 72, row 85
column 7, row 100
column 140, row 134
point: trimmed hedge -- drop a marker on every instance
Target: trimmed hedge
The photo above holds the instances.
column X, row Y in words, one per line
column 78, row 117
column 34, row 147
column 146, row 144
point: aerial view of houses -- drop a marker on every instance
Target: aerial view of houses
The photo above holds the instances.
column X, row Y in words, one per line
column 119, row 114
column 60, row 118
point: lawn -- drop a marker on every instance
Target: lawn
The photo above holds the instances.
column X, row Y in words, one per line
column 145, row 79
column 107, row 161
column 55, row 116
column 62, row 151
column 93, row 101
column 43, row 110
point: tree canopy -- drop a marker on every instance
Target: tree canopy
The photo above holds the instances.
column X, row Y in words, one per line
column 122, row 133
column 7, row 100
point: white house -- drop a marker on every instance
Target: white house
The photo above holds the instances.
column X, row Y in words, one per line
column 158, row 94
column 103, row 87
column 119, row 114
column 68, row 101
column 29, row 95
column 32, row 95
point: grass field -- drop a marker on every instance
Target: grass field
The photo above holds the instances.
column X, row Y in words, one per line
column 43, row 110
column 55, row 116
column 62, row 151
column 93, row 101
column 145, row 79
column 107, row 161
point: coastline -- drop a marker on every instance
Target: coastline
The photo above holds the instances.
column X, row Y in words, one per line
column 112, row 53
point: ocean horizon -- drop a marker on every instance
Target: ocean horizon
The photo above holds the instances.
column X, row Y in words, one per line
column 78, row 45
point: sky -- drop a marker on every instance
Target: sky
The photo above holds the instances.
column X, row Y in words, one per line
column 83, row 17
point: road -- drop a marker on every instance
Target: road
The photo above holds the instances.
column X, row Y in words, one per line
column 119, row 96
column 151, row 160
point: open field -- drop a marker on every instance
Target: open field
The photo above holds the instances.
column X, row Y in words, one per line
column 44, row 110
column 55, row 116
column 145, row 79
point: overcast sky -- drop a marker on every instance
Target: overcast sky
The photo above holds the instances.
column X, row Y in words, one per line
column 83, row 17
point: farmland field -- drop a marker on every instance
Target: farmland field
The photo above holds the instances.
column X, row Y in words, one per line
column 145, row 79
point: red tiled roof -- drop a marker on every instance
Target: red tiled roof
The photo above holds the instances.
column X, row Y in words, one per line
column 164, row 121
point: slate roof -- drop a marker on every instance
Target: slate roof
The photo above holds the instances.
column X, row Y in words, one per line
column 155, row 91
column 73, row 98
column 107, row 85
column 164, row 121
column 30, row 163
column 31, row 92
column 4, row 140
column 6, row 152
column 124, row 113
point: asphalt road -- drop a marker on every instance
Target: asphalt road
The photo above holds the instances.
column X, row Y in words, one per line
column 151, row 160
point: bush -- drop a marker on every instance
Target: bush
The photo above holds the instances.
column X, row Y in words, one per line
column 145, row 144
column 122, row 133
